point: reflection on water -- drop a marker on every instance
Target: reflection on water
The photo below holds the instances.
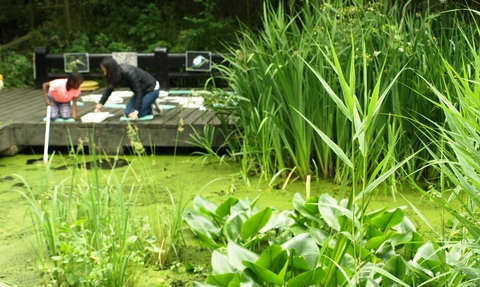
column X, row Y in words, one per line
column 104, row 163
column 6, row 178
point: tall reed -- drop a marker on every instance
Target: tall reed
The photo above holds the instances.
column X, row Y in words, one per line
column 454, row 146
column 271, row 78
column 87, row 226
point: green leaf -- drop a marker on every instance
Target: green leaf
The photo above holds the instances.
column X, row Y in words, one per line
column 335, row 148
column 238, row 254
column 268, row 256
column 371, row 231
column 280, row 264
column 329, row 211
column 311, row 205
column 396, row 266
column 233, row 225
column 280, row 221
column 256, row 222
column 200, row 223
column 361, row 253
column 375, row 213
column 321, row 237
column 224, row 209
column 243, row 205
column 309, row 278
column 264, row 274
column 299, row 205
column 306, row 247
column 235, row 281
column 388, row 220
column 427, row 257
column 397, row 281
column 375, row 242
column 200, row 203
column 373, row 185
column 412, row 246
column 221, row 263
column 400, row 239
column 406, row 226
column 220, row 279
column 250, row 279
column 299, row 263
column 208, row 241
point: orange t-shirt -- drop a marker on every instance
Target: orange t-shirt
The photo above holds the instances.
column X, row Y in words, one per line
column 58, row 91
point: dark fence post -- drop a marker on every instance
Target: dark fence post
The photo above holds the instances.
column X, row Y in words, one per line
column 161, row 67
column 41, row 68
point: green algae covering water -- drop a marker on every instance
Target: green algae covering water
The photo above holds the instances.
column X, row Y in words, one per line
column 185, row 176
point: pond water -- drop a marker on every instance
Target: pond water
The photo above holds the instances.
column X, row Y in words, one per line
column 186, row 175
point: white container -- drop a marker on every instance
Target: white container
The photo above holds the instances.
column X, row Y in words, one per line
column 163, row 94
column 113, row 99
column 122, row 94
column 95, row 117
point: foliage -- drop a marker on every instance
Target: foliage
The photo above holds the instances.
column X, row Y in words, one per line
column 16, row 70
column 380, row 246
column 206, row 30
column 86, row 227
column 235, row 220
column 351, row 71
column 457, row 162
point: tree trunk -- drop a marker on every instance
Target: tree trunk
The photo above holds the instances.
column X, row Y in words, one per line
column 68, row 19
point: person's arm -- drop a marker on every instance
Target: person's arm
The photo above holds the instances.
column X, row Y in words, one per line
column 45, row 88
column 74, row 109
column 106, row 94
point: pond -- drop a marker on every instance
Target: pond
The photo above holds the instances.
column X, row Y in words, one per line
column 182, row 176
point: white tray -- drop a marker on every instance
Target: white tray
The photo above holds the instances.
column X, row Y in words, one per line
column 122, row 94
column 113, row 99
column 94, row 117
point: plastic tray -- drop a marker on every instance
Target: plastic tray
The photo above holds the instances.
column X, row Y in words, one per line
column 94, row 117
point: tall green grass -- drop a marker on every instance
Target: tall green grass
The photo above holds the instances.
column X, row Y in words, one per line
column 382, row 92
column 358, row 51
column 97, row 228
column 454, row 147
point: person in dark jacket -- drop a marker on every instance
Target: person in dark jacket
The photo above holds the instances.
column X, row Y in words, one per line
column 144, row 86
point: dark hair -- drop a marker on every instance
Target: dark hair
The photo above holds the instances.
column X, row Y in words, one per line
column 75, row 77
column 114, row 72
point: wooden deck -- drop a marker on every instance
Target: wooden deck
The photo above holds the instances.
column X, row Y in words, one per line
column 22, row 124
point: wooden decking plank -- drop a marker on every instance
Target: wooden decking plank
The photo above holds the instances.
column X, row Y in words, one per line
column 174, row 121
column 22, row 113
column 206, row 117
column 16, row 102
column 164, row 117
column 192, row 116
column 196, row 116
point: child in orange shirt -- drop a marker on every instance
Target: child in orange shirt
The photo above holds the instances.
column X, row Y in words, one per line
column 58, row 94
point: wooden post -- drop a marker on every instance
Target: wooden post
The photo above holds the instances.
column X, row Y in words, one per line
column 31, row 14
column 68, row 20
column 161, row 67
column 41, row 68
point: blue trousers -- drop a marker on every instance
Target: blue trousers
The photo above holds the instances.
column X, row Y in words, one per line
column 146, row 107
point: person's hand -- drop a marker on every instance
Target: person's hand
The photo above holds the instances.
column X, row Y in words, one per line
column 47, row 103
column 133, row 115
column 98, row 108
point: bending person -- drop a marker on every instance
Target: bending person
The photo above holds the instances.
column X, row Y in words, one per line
column 60, row 92
column 144, row 86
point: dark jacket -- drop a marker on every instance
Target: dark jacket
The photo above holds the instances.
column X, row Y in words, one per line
column 139, row 81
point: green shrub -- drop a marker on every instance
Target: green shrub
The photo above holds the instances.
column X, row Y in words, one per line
column 16, row 69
